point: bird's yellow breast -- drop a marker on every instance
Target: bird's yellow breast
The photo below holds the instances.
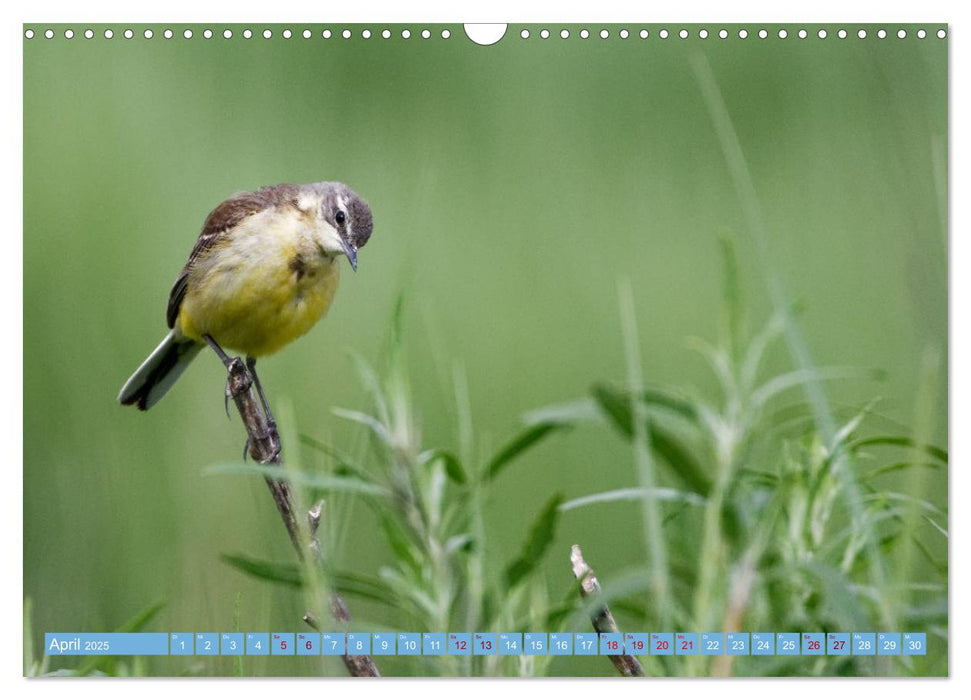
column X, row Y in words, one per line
column 262, row 288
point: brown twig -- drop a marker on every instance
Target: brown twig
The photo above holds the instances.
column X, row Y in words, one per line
column 263, row 443
column 601, row 617
column 360, row 665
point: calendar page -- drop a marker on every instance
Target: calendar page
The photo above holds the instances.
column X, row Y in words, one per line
column 514, row 350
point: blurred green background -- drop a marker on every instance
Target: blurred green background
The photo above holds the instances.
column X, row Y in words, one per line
column 512, row 187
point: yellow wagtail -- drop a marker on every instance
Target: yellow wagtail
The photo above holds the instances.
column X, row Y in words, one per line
column 263, row 271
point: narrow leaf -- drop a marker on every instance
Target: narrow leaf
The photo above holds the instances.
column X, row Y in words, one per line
column 463, row 542
column 733, row 310
column 936, row 526
column 399, row 542
column 576, row 412
column 135, row 624
column 324, row 482
column 345, row 465
column 797, row 378
column 376, row 426
column 519, row 444
column 397, row 333
column 453, row 467
column 290, row 575
column 847, row 430
column 322, row 447
column 616, row 404
column 28, row 636
column 635, row 494
column 141, row 620
column 287, row 573
column 898, row 466
column 364, row 587
column 681, row 461
column 372, row 383
column 901, row 441
column 885, row 496
column 540, row 537
column 672, row 402
column 617, row 407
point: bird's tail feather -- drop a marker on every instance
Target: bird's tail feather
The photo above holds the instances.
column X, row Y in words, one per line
column 159, row 372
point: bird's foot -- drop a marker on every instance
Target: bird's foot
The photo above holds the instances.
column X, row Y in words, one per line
column 274, row 458
column 238, row 382
column 274, row 438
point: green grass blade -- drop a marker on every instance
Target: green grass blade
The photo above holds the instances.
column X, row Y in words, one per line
column 135, row 624
column 581, row 411
column 285, row 573
column 798, row 349
column 635, row 494
column 796, row 378
column 141, row 619
column 734, row 309
column 453, row 467
column 361, row 586
column 29, row 653
column 664, row 398
column 528, row 438
column 323, row 447
column 323, row 482
column 408, row 554
column 683, row 464
column 617, row 406
column 290, row 574
column 899, row 466
column 540, row 538
column 369, row 378
column 900, row 441
column 643, row 462
column 376, row 426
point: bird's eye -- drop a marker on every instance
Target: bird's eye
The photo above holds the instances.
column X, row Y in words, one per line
column 340, row 217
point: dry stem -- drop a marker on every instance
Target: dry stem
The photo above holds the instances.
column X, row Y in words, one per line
column 264, row 446
column 601, row 617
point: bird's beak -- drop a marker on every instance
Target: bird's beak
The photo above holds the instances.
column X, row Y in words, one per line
column 350, row 251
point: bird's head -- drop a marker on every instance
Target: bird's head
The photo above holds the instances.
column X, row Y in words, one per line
column 344, row 220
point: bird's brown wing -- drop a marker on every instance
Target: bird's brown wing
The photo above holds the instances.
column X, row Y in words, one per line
column 220, row 221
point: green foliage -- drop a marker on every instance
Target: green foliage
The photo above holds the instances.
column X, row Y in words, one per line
column 783, row 542
column 287, row 573
column 617, row 406
column 758, row 528
column 541, row 535
column 518, row 445
column 292, row 574
column 325, row 483
column 32, row 665
column 453, row 467
column 427, row 501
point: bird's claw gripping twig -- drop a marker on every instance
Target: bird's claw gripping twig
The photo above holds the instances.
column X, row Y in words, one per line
column 275, row 454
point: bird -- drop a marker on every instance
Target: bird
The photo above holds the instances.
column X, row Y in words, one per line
column 263, row 271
